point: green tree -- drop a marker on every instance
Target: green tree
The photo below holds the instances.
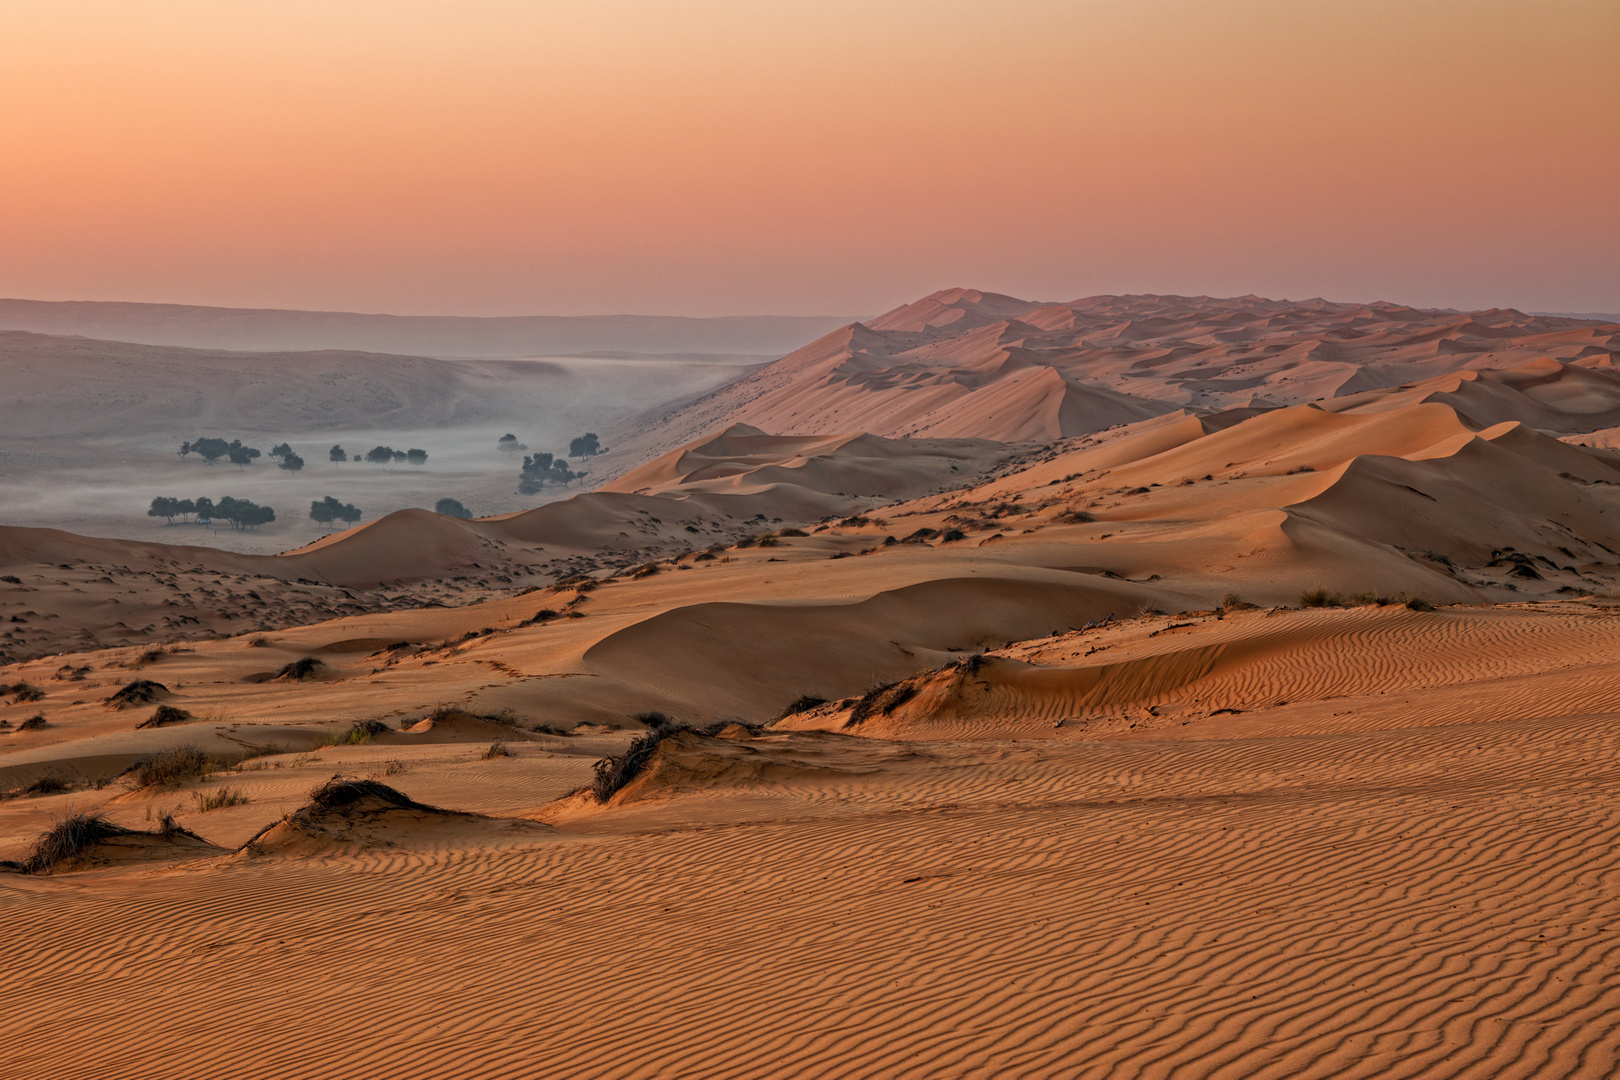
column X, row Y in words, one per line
column 452, row 508
column 380, row 455
column 166, row 508
column 416, row 457
column 291, row 462
column 587, row 445
column 337, row 453
column 280, row 450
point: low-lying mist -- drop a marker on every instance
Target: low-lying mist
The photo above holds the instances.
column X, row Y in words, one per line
column 102, row 484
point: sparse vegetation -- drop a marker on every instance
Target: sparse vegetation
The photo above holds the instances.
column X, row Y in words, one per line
column 361, row 731
column 139, row 692
column 305, row 667
column 176, row 767
column 68, row 839
column 1320, row 598
column 801, row 704
column 1231, row 599
column 1074, row 517
column 496, row 749
column 218, row 799
column 165, row 715
column 339, row 794
column 33, row 723
column 613, row 773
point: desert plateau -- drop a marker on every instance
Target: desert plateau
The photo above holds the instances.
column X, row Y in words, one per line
column 766, row 541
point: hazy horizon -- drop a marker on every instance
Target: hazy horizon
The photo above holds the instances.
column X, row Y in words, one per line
column 720, row 158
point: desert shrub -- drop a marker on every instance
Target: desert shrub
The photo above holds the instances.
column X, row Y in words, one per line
column 791, row 532
column 150, row 656
column 303, row 668
column 768, row 541
column 33, row 723
column 883, row 700
column 22, row 692
column 921, row 536
column 802, row 703
column 953, row 535
column 496, row 749
column 139, row 692
column 1231, row 599
column 339, row 794
column 645, row 570
column 613, row 773
column 1367, row 599
column 1417, row 603
column 164, row 715
column 172, row 768
column 1074, row 517
column 1320, row 598
column 260, row 642
column 68, row 839
column 361, row 731
column 217, row 799
column 49, row 784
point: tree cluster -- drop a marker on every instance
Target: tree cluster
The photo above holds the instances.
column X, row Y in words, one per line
column 329, row 510
column 509, row 443
column 286, row 458
column 383, row 455
column 241, row 513
column 452, row 508
column 211, row 450
column 542, row 469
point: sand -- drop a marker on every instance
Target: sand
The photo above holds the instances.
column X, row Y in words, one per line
column 1272, row 740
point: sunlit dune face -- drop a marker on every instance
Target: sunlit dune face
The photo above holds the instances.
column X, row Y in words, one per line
column 719, row 157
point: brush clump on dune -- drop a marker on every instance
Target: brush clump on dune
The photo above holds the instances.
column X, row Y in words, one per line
column 139, row 692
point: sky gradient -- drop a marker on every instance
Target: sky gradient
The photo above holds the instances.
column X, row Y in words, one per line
column 748, row 156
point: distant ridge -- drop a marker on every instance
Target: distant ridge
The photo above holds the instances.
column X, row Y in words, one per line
column 962, row 363
column 274, row 330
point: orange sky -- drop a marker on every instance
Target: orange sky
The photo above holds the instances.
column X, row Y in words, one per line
column 729, row 156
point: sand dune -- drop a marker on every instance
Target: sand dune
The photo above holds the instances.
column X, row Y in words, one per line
column 962, row 363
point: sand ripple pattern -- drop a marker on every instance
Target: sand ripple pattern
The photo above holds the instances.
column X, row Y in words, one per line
column 1439, row 902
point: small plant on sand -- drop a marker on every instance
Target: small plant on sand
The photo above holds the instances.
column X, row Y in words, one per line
column 33, row 723
column 69, row 838
column 496, row 749
column 1320, row 598
column 218, row 799
column 172, row 768
column 22, row 693
column 1074, row 517
column 49, row 784
column 1231, row 599
column 260, row 642
column 391, row 767
column 361, row 731
column 1417, row 603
